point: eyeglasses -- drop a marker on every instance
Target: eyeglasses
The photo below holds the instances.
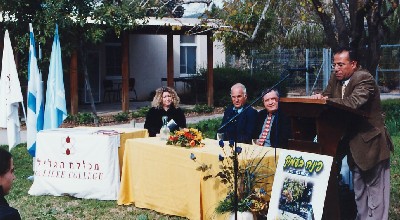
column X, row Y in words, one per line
column 340, row 65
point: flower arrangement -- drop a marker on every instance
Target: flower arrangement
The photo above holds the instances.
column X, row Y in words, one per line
column 187, row 137
column 251, row 196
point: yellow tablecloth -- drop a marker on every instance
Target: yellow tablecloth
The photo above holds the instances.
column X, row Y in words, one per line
column 126, row 133
column 163, row 177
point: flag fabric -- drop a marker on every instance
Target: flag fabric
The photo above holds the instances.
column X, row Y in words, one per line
column 34, row 121
column 10, row 95
column 55, row 110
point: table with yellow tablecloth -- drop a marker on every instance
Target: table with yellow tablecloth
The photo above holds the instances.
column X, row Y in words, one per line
column 163, row 177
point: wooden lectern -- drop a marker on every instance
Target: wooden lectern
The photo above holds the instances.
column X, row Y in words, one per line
column 317, row 127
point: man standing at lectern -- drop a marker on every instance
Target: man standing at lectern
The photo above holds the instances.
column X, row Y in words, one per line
column 368, row 141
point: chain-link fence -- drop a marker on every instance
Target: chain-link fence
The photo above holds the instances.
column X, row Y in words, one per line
column 310, row 69
column 388, row 71
column 305, row 67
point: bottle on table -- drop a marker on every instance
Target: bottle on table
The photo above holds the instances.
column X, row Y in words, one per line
column 164, row 131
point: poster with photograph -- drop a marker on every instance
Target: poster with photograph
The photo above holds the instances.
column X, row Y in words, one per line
column 299, row 187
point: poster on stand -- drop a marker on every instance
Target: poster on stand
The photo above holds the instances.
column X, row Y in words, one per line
column 300, row 185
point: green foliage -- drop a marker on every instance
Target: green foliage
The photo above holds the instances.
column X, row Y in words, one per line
column 394, row 211
column 121, row 116
column 84, row 118
column 142, row 217
column 208, row 127
column 391, row 108
column 286, row 23
column 391, row 25
column 226, row 77
column 141, row 112
column 203, row 109
column 226, row 205
column 393, row 126
column 70, row 118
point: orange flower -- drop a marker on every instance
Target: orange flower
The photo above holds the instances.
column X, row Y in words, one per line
column 188, row 135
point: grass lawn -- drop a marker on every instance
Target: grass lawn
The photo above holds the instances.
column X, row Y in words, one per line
column 50, row 207
column 394, row 212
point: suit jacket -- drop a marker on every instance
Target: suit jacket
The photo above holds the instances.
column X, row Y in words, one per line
column 280, row 128
column 367, row 137
column 242, row 129
column 154, row 122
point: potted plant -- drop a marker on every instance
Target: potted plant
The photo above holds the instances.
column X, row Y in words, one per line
column 251, row 195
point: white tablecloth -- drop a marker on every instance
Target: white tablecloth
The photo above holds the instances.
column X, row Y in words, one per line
column 78, row 162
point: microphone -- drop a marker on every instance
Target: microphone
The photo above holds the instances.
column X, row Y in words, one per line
column 310, row 69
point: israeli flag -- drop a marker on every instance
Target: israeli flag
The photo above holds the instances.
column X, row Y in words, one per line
column 55, row 110
column 35, row 114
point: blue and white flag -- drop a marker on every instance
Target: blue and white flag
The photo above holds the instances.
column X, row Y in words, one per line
column 34, row 121
column 55, row 110
column 10, row 95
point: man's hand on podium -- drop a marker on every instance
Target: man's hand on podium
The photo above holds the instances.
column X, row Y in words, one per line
column 318, row 96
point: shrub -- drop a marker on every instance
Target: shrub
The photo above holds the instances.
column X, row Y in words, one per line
column 70, row 118
column 141, row 112
column 203, row 109
column 121, row 116
column 84, row 118
column 208, row 127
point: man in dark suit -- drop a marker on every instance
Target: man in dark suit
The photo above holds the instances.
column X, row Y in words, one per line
column 272, row 126
column 242, row 128
column 368, row 142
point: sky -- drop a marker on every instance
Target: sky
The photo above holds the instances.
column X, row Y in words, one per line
column 195, row 8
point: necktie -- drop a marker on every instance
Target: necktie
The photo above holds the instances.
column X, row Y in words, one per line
column 343, row 89
column 264, row 134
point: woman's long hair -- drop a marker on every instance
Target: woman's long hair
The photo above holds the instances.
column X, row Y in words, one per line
column 157, row 100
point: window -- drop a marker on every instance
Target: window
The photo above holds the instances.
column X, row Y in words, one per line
column 188, row 55
column 113, row 59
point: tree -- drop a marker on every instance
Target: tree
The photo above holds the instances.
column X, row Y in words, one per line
column 262, row 25
column 266, row 24
column 358, row 24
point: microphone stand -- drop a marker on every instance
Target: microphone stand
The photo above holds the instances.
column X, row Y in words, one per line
column 235, row 159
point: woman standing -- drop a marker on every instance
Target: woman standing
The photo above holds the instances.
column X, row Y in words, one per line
column 165, row 103
column 6, row 179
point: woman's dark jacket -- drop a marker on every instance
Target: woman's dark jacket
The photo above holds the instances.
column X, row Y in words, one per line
column 154, row 119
